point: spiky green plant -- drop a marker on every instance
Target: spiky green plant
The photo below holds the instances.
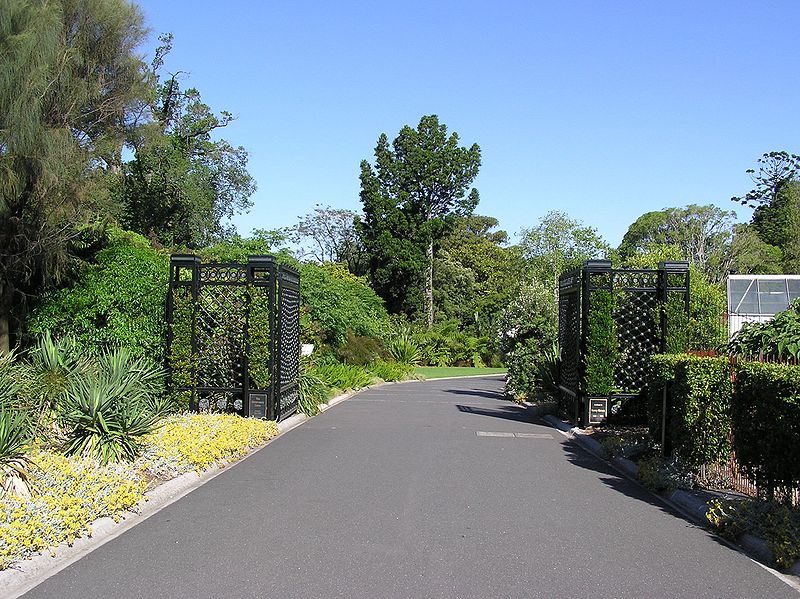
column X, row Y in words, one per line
column 313, row 390
column 15, row 437
column 106, row 412
column 53, row 364
column 404, row 349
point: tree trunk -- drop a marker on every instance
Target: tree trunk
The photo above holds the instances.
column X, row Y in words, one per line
column 429, row 286
column 5, row 338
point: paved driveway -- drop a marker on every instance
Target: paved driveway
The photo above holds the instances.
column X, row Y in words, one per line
column 420, row 490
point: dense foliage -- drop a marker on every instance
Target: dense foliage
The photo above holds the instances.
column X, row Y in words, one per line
column 699, row 400
column 776, row 339
column 117, row 299
column 602, row 348
column 528, row 329
column 766, row 425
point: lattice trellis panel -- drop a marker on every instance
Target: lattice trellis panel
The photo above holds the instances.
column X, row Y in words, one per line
column 648, row 305
column 636, row 314
column 289, row 301
column 569, row 313
column 224, row 323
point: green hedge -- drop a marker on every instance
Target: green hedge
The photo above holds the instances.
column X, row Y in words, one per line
column 602, row 348
column 699, row 420
column 766, row 425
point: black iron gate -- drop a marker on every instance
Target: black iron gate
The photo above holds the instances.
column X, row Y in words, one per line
column 233, row 335
column 643, row 303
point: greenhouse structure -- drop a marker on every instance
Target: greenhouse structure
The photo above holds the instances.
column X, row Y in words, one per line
column 757, row 298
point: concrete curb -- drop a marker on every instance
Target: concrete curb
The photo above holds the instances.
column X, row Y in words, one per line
column 683, row 501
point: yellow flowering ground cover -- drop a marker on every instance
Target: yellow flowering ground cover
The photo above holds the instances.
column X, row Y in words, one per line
column 68, row 493
column 197, row 441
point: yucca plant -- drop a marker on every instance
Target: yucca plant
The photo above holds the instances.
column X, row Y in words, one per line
column 53, row 364
column 548, row 370
column 15, row 438
column 106, row 412
column 15, row 430
column 404, row 349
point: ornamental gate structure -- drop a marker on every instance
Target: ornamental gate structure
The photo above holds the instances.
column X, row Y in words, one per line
column 647, row 314
column 233, row 336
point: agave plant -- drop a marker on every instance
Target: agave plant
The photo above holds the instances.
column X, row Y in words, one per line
column 15, row 430
column 53, row 364
column 14, row 445
column 106, row 412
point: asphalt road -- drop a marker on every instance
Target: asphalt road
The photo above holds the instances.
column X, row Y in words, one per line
column 421, row 490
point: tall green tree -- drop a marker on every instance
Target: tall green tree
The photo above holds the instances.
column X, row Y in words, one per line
column 183, row 184
column 776, row 199
column 703, row 234
column 559, row 243
column 410, row 196
column 476, row 245
column 69, row 80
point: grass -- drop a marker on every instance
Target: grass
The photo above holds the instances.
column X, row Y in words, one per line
column 432, row 372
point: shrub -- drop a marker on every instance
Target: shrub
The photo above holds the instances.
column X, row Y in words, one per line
column 778, row 338
column 698, row 422
column 766, row 425
column 360, row 350
column 343, row 376
column 338, row 302
column 778, row 525
column 117, row 301
column 664, row 475
column 106, row 412
column 403, row 349
column 390, row 371
column 601, row 344
column 528, row 327
column 193, row 442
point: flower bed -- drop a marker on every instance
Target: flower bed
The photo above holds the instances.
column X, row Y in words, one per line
column 194, row 442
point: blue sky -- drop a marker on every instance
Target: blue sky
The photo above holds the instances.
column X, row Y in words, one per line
column 603, row 110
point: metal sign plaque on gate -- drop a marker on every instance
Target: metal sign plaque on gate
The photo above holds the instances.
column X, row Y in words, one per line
column 598, row 410
column 258, row 405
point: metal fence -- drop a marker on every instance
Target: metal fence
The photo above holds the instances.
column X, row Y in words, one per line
column 233, row 335
column 640, row 299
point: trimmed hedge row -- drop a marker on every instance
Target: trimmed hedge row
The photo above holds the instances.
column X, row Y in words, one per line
column 698, row 421
column 761, row 408
column 766, row 425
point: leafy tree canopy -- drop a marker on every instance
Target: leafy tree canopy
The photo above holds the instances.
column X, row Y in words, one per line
column 559, row 243
column 70, row 80
column 410, row 197
column 703, row 234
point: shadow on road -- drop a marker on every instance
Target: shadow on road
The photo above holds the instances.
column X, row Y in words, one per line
column 619, row 483
column 487, row 393
column 506, row 412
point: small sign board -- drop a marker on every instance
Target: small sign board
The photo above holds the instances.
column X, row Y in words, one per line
column 257, row 406
column 598, row 409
